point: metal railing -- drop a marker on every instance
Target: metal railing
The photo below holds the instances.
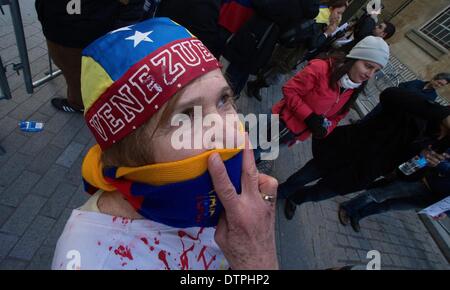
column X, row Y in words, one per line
column 24, row 64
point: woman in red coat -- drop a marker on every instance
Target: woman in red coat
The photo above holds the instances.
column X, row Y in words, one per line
column 319, row 96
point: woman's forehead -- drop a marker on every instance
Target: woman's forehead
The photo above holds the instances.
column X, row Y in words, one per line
column 208, row 85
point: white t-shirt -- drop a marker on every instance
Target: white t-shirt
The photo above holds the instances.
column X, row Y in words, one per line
column 92, row 240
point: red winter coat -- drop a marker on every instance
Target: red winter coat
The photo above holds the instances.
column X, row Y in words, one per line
column 309, row 92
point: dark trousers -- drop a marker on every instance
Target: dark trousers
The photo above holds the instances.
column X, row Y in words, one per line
column 295, row 187
column 398, row 195
column 284, row 137
column 237, row 77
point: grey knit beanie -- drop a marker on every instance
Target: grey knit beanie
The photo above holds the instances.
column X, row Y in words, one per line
column 371, row 48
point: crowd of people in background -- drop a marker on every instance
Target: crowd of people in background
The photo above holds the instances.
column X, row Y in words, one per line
column 267, row 39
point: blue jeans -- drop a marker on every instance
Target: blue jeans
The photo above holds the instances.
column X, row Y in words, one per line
column 398, row 195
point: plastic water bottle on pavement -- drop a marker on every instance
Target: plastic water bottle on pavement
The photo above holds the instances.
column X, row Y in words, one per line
column 31, row 126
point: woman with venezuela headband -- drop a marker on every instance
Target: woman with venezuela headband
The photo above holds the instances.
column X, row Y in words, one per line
column 152, row 206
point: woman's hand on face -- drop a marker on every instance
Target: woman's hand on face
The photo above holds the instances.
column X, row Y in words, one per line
column 246, row 230
column 334, row 24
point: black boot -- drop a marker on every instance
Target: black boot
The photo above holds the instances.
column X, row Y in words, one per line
column 289, row 209
column 254, row 88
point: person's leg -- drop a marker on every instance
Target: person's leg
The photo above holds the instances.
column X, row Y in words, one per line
column 308, row 173
column 237, row 77
column 407, row 203
column 254, row 87
column 397, row 195
column 313, row 193
column 69, row 61
column 318, row 192
column 270, row 74
column 281, row 139
column 375, row 112
column 223, row 37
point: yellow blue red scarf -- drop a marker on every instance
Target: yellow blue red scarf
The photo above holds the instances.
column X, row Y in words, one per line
column 178, row 194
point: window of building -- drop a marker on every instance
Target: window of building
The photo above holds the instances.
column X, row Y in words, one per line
column 438, row 29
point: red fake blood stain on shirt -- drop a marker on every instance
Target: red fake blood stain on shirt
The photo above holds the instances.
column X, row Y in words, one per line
column 156, row 241
column 110, row 248
column 162, row 257
column 202, row 256
column 123, row 252
column 184, row 260
column 182, row 234
column 124, row 264
column 145, row 241
column 99, row 243
column 114, row 219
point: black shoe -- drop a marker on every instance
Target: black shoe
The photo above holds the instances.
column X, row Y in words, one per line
column 289, row 209
column 355, row 224
column 343, row 216
column 63, row 105
column 253, row 90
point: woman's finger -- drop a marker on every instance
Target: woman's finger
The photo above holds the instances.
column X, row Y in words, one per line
column 249, row 172
column 222, row 184
column 268, row 185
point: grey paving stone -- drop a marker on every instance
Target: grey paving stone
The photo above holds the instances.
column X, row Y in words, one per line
column 58, row 201
column 42, row 260
column 352, row 255
column 17, row 191
column 45, row 159
column 58, row 228
column 70, row 155
column 23, row 215
column 8, row 125
column 83, row 136
column 74, row 175
column 342, row 240
column 7, row 242
column 68, row 132
column 57, row 121
column 13, row 264
column 79, row 198
column 10, row 170
column 37, row 142
column 47, row 185
column 24, row 110
column 5, row 213
column 11, row 144
column 6, row 106
column 32, row 239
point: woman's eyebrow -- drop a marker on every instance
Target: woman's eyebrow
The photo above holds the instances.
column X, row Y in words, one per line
column 197, row 99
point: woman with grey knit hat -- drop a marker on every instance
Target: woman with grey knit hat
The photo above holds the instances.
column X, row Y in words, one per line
column 317, row 98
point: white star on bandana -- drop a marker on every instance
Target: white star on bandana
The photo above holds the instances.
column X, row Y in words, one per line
column 138, row 37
